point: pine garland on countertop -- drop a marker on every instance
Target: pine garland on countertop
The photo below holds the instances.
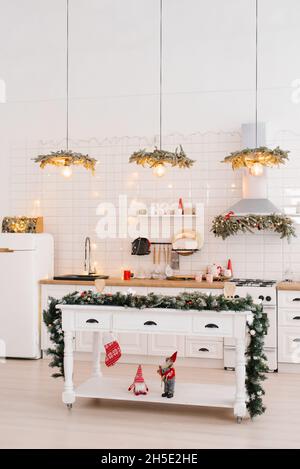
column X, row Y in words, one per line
column 256, row 366
column 230, row 224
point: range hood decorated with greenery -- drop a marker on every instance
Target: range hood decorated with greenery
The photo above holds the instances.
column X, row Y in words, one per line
column 254, row 212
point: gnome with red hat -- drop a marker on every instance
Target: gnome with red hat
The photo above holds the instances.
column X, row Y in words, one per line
column 167, row 373
column 139, row 386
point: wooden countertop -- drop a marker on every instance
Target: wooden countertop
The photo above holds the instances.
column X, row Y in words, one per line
column 117, row 282
column 291, row 286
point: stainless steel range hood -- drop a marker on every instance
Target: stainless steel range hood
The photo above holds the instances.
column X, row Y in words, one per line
column 255, row 188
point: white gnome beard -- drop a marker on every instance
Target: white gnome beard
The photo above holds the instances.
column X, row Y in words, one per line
column 140, row 387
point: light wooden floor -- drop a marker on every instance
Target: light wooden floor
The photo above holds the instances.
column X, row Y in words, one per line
column 33, row 416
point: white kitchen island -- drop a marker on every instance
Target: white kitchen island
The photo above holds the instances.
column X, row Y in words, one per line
column 98, row 319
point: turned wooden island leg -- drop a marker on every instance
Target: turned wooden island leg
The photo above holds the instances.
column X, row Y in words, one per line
column 240, row 376
column 68, row 395
column 96, row 354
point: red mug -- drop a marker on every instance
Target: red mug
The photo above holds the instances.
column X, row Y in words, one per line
column 126, row 275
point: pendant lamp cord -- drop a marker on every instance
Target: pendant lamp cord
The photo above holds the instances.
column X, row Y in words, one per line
column 256, row 73
column 160, row 72
column 67, row 77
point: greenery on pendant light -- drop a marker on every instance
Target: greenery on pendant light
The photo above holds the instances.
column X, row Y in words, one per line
column 256, row 365
column 262, row 155
column 66, row 158
column 230, row 224
column 161, row 158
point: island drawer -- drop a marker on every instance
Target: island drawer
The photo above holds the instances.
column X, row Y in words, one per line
column 208, row 325
column 89, row 320
column 152, row 322
column 204, row 348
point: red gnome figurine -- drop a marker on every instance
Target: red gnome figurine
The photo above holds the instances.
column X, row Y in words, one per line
column 139, row 386
column 167, row 373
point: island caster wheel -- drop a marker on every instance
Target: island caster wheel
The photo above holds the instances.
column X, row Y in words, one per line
column 69, row 406
column 239, row 419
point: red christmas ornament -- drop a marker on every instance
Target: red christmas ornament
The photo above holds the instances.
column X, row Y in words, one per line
column 228, row 215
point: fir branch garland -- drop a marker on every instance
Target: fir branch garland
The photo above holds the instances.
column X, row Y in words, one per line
column 161, row 158
column 66, row 158
column 228, row 225
column 262, row 155
column 256, row 366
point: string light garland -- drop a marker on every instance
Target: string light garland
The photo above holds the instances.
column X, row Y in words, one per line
column 256, row 366
column 230, row 224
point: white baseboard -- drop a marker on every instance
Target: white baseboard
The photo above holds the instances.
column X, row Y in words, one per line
column 288, row 367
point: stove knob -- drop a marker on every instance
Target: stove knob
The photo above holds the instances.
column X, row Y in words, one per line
column 236, row 296
column 261, row 297
column 268, row 298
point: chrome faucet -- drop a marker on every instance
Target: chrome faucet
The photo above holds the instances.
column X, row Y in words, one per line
column 87, row 256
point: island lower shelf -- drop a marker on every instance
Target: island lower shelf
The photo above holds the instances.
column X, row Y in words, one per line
column 208, row 395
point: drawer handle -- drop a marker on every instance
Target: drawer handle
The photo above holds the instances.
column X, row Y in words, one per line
column 203, row 349
column 92, row 321
column 296, row 299
column 296, row 340
column 296, row 317
column 150, row 323
column 212, row 326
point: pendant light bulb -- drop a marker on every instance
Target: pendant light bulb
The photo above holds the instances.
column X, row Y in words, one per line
column 159, row 170
column 66, row 172
column 256, row 170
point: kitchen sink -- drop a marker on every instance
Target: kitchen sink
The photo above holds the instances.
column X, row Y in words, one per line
column 78, row 277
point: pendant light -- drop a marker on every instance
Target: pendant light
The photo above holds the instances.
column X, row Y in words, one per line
column 256, row 158
column 66, row 158
column 159, row 159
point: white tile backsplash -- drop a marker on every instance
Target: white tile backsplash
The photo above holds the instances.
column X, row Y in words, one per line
column 69, row 207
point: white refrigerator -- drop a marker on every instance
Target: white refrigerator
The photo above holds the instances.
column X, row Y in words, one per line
column 24, row 260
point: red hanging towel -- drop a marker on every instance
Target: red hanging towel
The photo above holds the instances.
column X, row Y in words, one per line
column 112, row 349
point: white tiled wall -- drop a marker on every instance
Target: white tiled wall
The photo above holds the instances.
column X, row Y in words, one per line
column 208, row 92
column 69, row 206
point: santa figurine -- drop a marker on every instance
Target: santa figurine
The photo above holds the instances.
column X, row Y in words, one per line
column 139, row 386
column 167, row 373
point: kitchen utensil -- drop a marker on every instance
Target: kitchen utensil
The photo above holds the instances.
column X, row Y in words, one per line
column 181, row 277
column 168, row 271
column 126, row 275
column 187, row 241
column 209, row 278
column 140, row 247
column 199, row 277
column 174, row 260
column 158, row 254
column 154, row 254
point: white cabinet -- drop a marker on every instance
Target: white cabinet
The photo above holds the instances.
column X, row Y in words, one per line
column 289, row 327
column 164, row 344
column 131, row 343
column 204, row 347
column 289, row 345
